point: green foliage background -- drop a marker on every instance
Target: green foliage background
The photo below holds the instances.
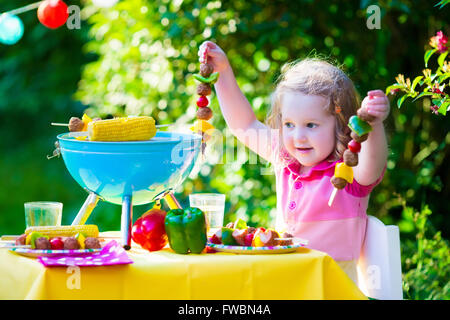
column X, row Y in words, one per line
column 137, row 58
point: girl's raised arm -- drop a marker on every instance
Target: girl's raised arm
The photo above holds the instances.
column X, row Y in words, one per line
column 374, row 151
column 235, row 107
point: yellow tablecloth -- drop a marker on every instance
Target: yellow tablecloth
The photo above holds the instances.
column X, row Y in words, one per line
column 305, row 274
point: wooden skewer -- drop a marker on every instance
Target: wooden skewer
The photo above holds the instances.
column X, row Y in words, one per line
column 103, row 238
column 12, row 246
column 85, row 133
column 8, row 238
column 333, row 194
column 66, row 125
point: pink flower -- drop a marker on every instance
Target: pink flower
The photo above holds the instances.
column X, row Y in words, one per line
column 435, row 109
column 439, row 41
column 394, row 91
column 436, row 89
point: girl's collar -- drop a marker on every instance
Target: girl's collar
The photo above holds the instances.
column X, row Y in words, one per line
column 294, row 168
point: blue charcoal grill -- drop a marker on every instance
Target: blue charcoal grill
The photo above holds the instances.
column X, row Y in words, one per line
column 129, row 173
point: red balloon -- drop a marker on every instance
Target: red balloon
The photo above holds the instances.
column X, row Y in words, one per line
column 149, row 231
column 52, row 13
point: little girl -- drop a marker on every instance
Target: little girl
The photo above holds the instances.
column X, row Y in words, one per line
column 307, row 125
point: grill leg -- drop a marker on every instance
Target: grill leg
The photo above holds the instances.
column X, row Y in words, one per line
column 172, row 202
column 86, row 209
column 127, row 222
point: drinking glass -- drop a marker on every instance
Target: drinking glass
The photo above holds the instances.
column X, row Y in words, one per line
column 213, row 205
column 43, row 213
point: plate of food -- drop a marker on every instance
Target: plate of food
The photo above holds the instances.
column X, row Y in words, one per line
column 57, row 241
column 254, row 250
column 238, row 238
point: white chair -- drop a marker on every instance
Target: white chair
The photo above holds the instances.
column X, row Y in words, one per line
column 379, row 266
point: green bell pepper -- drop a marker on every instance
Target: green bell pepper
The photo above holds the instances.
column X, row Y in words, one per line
column 211, row 79
column 227, row 237
column 186, row 230
column 32, row 237
column 360, row 127
column 240, row 224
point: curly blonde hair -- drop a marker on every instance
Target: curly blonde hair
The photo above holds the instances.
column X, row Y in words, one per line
column 316, row 76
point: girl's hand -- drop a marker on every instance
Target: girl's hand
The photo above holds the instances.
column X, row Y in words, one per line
column 214, row 55
column 377, row 105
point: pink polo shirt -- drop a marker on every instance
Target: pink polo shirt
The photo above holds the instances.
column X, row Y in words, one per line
column 302, row 209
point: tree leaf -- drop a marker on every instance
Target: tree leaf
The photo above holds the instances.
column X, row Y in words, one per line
column 441, row 58
column 437, row 102
column 416, row 80
column 423, row 94
column 443, row 77
column 428, row 55
column 442, row 3
column 401, row 100
column 443, row 108
column 392, row 87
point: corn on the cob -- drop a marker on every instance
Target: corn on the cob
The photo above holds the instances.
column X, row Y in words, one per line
column 122, row 129
column 88, row 230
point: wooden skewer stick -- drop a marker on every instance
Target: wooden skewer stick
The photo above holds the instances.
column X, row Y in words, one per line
column 85, row 133
column 66, row 125
column 333, row 194
column 12, row 246
column 8, row 237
